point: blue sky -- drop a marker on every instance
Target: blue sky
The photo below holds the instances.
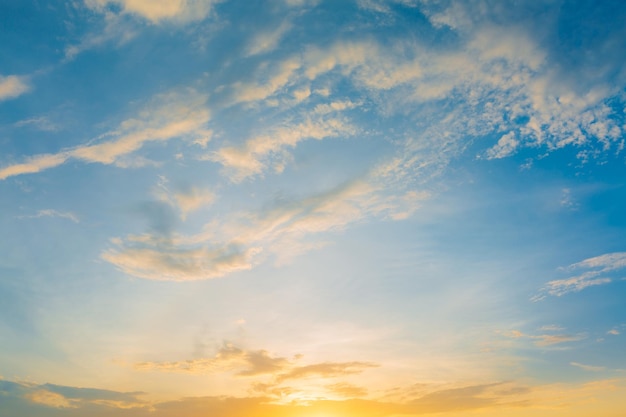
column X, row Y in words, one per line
column 312, row 208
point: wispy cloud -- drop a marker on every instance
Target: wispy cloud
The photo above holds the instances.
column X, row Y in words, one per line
column 114, row 30
column 169, row 116
column 271, row 81
column 157, row 11
column 12, row 86
column 267, row 41
column 257, row 153
column 347, row 390
column 39, row 123
column 325, row 370
column 244, row 239
column 53, row 213
column 252, row 363
column 588, row 367
column 546, row 339
column 185, row 199
column 595, row 271
column 228, row 357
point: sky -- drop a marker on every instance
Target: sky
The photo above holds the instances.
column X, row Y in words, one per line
column 312, row 208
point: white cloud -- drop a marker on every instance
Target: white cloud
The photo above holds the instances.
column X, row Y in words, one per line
column 118, row 26
column 53, row 213
column 115, row 30
column 256, row 154
column 34, row 164
column 301, row 3
column 168, row 117
column 335, row 106
column 267, row 41
column 505, row 147
column 269, row 86
column 157, row 11
column 574, row 284
column 184, row 199
column 12, row 86
column 596, row 272
column 588, row 367
column 604, row 263
column 40, row 123
column 164, row 262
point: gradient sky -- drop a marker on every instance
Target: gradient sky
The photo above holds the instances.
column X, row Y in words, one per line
column 312, row 208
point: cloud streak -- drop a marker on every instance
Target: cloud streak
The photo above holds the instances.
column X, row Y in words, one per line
column 545, row 340
column 53, row 213
column 254, row 363
column 592, row 272
column 257, row 153
column 169, row 117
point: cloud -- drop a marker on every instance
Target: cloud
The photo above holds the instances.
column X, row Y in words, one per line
column 613, row 332
column 39, row 123
column 551, row 328
column 259, row 363
column 554, row 339
column 325, row 370
column 257, row 153
column 267, row 41
column 160, row 260
column 606, row 262
column 588, row 367
column 169, row 116
column 499, row 397
column 34, row 164
column 158, row 11
column 595, row 272
column 533, row 109
column 12, row 86
column 192, row 199
column 334, row 106
column 68, row 399
column 239, row 241
column 347, row 390
column 301, row 3
column 544, row 340
column 269, row 84
column 113, row 29
column 53, row 213
column 506, row 146
column 185, row 199
column 50, row 399
column 228, row 358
